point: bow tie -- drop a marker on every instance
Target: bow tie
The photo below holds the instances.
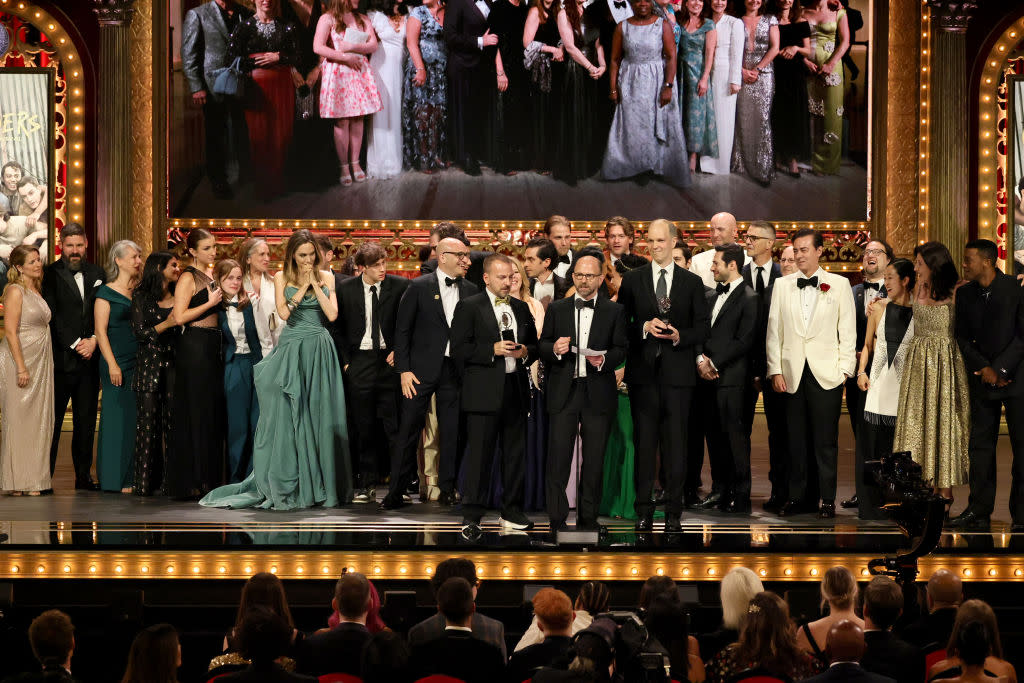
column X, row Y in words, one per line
column 231, row 304
column 584, row 303
column 877, row 286
column 619, row 4
column 722, row 288
column 452, row 281
column 802, row 282
column 499, row 300
column 564, row 258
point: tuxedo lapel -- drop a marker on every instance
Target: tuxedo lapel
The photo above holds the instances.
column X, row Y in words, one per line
column 730, row 301
column 649, row 285
column 490, row 321
column 434, row 291
column 69, row 278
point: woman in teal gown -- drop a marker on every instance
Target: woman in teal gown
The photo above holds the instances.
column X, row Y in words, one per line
column 115, row 447
column 301, row 450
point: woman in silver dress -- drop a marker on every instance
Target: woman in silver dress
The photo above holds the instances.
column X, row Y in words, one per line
column 753, row 151
column 647, row 131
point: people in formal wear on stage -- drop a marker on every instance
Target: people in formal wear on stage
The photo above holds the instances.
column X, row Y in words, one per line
column 583, row 342
column 681, row 254
column 425, row 361
column 791, row 121
column 26, row 378
column 270, row 51
column 425, row 91
column 301, row 451
column 443, row 229
column 753, row 151
column 990, row 334
column 618, row 236
column 723, row 230
column 787, row 260
column 726, row 80
column 890, row 328
column 558, row 229
column 368, row 310
column 69, row 287
column 933, row 416
column 254, row 255
column 582, row 127
column 384, row 150
column 698, row 43
column 811, row 351
column 723, row 367
column 830, row 36
column 493, row 342
column 197, row 462
column 539, row 260
column 115, row 447
column 204, row 53
column 544, row 60
column 667, row 318
column 242, row 351
column 506, row 145
column 156, row 331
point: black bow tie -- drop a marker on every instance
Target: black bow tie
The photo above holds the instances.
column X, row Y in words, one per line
column 802, row 282
column 584, row 303
column 232, row 304
column 877, row 286
column 452, row 281
column 564, row 258
column 619, row 4
column 722, row 288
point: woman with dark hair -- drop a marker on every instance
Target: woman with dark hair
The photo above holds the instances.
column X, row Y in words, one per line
column 262, row 591
column 197, row 454
column 544, row 59
column 155, row 656
column 666, row 620
column 301, row 454
column 933, row 414
column 767, row 642
column 753, row 149
column 889, row 333
column 575, row 155
column 425, row 91
column 509, row 128
column 384, row 151
column 974, row 651
column 791, row 122
column 697, row 45
column 156, row 330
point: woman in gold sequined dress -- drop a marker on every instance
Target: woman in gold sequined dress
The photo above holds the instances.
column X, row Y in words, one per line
column 933, row 418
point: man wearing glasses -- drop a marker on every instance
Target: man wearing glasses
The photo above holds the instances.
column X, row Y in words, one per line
column 424, row 360
column 723, row 231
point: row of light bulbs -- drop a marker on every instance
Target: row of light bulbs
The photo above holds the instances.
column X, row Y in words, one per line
column 486, row 225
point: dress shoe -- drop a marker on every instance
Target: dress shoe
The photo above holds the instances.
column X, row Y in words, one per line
column 391, row 502
column 516, row 520
column 738, row 505
column 773, row 504
column 87, row 486
column 471, row 530
column 713, row 500
column 827, row 511
column 969, row 519
column 413, row 488
column 558, row 526
column 365, row 495
column 644, row 524
column 673, row 525
column 690, row 499
column 850, row 503
column 46, row 492
column 472, row 167
column 446, row 499
column 792, row 507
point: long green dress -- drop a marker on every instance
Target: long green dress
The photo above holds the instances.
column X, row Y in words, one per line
column 825, row 99
column 698, row 112
column 115, row 446
column 301, row 450
column 619, row 493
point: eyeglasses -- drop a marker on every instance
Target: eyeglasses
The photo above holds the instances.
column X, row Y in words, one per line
column 754, row 238
column 587, row 276
column 874, row 252
column 460, row 255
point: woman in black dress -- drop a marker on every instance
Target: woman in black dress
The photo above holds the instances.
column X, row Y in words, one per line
column 544, row 62
column 508, row 146
column 791, row 122
column 157, row 332
column 577, row 155
column 197, row 462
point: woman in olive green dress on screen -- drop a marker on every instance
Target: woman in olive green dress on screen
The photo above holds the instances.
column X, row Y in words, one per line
column 830, row 39
column 115, row 448
column 301, row 452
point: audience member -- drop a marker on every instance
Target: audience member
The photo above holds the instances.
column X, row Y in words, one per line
column 591, row 600
column 263, row 637
column 886, row 654
column 974, row 611
column 555, row 619
column 944, row 594
column 52, row 638
column 340, row 649
column 737, row 589
column 593, row 657
column 155, row 656
column 665, row 620
column 845, row 647
column 386, row 659
column 839, row 593
column 974, row 645
column 261, row 590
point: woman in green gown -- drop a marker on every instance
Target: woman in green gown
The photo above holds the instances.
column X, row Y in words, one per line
column 115, row 447
column 830, row 39
column 301, row 450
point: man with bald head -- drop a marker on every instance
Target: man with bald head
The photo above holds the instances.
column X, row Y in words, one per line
column 845, row 647
column 723, row 231
column 945, row 593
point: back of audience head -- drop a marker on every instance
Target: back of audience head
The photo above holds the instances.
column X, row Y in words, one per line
column 454, row 566
column 455, row 601
column 838, row 589
column 386, row 659
column 973, row 643
column 655, row 586
column 767, row 638
column 554, row 612
column 592, row 598
column 52, row 637
column 883, row 602
column 155, row 656
column 975, row 611
column 738, row 587
column 845, row 642
column 594, row 651
column 264, row 590
column 352, row 597
column 263, row 636
column 945, row 589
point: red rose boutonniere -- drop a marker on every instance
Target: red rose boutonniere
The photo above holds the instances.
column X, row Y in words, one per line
column 824, row 287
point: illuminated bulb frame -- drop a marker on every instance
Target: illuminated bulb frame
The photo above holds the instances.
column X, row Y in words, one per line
column 924, row 141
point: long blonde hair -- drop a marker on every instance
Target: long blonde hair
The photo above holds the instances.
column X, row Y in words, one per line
column 338, row 9
column 15, row 276
column 298, row 238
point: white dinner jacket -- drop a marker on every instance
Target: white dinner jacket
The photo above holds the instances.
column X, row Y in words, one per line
column 827, row 344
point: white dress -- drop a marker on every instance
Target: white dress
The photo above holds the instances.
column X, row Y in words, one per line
column 384, row 154
column 727, row 70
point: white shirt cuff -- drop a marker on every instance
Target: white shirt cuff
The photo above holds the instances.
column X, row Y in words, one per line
column 76, row 343
column 480, row 43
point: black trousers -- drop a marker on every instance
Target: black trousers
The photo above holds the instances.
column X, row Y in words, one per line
column 414, row 416
column 226, row 137
column 873, row 441
column 577, row 417
column 855, row 404
column 985, row 414
column 729, row 441
column 469, row 89
column 660, row 423
column 82, row 389
column 813, row 417
column 774, row 405
column 483, row 431
column 372, row 390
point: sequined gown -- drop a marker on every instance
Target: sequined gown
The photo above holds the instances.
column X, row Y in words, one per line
column 154, row 378
column 825, row 99
column 698, row 112
column 25, row 451
column 645, row 137
column 753, row 150
column 425, row 107
column 933, row 417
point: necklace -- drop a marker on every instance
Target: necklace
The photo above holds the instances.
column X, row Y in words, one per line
column 266, row 29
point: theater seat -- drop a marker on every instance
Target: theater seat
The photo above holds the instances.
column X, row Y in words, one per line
column 339, row 678
column 933, row 654
column 758, row 676
column 440, row 678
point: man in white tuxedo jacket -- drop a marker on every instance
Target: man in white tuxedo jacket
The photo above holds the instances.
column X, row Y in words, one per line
column 811, row 351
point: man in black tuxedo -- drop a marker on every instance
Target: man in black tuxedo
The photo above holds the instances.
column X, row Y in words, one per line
column 538, row 261
column 944, row 594
column 368, row 312
column 340, row 649
column 845, row 647
column 69, row 287
column 471, row 74
column 559, row 230
column 667, row 319
column 424, row 360
column 475, row 272
column 723, row 371
column 886, row 654
column 494, row 340
column 582, row 343
column 760, row 275
column 52, row 639
column 990, row 334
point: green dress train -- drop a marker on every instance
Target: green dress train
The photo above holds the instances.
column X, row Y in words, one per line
column 301, row 450
column 115, row 446
column 698, row 112
column 618, row 491
column 825, row 99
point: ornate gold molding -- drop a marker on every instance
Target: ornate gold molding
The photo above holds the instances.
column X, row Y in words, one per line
column 144, row 92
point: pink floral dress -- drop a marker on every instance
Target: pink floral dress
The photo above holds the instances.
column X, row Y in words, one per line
column 346, row 92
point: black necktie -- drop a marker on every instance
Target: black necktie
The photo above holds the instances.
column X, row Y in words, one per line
column 872, row 285
column 661, row 291
column 584, row 303
column 759, row 285
column 619, row 4
column 452, row 281
column 374, row 319
column 722, row 289
column 802, row 282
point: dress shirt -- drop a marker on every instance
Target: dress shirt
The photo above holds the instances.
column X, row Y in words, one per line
column 700, row 265
column 656, row 271
column 870, row 295
column 458, row 628
column 586, row 317
column 809, row 296
column 236, row 323
column 366, row 343
column 80, row 281
column 449, row 300
column 721, row 298
column 560, row 268
column 766, row 273
column 504, row 312
column 544, row 292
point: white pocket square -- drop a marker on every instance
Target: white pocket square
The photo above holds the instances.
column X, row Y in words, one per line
column 97, row 284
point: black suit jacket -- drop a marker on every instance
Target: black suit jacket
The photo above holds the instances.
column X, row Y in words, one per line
column 475, row 272
column 485, row 628
column 607, row 333
column 689, row 313
column 562, row 286
column 848, row 672
column 463, row 24
column 474, row 333
column 992, row 333
column 889, row 656
column 758, row 365
column 421, row 329
column 71, row 318
column 862, row 318
column 932, row 629
column 50, row 675
column 732, row 334
column 339, row 650
column 461, row 655
column 553, row 650
column 352, row 313
column 266, row 674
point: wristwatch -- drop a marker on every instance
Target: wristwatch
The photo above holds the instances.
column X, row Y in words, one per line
column 667, row 85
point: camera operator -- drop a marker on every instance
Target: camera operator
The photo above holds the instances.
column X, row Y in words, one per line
column 593, row 657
